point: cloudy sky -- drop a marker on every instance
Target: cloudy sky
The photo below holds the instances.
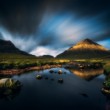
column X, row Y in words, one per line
column 50, row 26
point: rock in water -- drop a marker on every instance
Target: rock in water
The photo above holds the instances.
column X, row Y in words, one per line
column 9, row 88
column 39, row 77
column 51, row 71
column 106, row 87
column 60, row 72
column 83, row 94
column 60, row 80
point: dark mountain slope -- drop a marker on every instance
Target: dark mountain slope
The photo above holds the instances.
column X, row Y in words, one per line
column 7, row 48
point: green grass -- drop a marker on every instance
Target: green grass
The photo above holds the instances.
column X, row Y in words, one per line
column 107, row 66
column 14, row 61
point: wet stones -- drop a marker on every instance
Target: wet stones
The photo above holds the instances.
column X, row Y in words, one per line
column 105, row 91
column 84, row 95
column 53, row 75
column 51, row 71
column 60, row 72
column 106, row 87
column 39, row 77
column 60, row 80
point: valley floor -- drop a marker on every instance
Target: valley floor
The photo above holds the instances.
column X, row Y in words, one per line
column 11, row 66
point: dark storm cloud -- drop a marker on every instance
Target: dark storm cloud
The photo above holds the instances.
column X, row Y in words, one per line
column 87, row 7
column 21, row 16
column 24, row 16
column 104, row 36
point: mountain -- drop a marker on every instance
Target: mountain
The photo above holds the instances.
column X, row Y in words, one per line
column 7, row 47
column 85, row 49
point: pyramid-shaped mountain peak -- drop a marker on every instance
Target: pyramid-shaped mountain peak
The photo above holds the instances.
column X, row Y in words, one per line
column 87, row 41
column 88, row 45
column 85, row 49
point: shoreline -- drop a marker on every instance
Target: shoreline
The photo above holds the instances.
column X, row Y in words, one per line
column 21, row 71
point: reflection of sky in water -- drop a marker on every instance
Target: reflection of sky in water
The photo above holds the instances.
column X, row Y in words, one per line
column 101, row 77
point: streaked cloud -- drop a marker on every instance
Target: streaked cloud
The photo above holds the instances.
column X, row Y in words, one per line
column 50, row 26
column 39, row 51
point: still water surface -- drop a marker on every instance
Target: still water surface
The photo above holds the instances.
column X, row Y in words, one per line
column 81, row 90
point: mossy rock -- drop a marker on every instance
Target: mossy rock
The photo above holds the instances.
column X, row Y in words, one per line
column 9, row 83
column 105, row 91
column 106, row 83
column 106, row 86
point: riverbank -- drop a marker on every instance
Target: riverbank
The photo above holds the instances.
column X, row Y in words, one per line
column 20, row 71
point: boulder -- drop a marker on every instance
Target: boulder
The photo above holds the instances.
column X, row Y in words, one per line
column 9, row 83
column 106, row 87
column 39, row 77
column 9, row 88
column 60, row 72
column 51, row 71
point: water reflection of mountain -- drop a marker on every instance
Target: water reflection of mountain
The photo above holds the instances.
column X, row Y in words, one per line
column 87, row 74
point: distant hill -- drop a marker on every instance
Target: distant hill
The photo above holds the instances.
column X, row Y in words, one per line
column 85, row 49
column 8, row 48
column 46, row 56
